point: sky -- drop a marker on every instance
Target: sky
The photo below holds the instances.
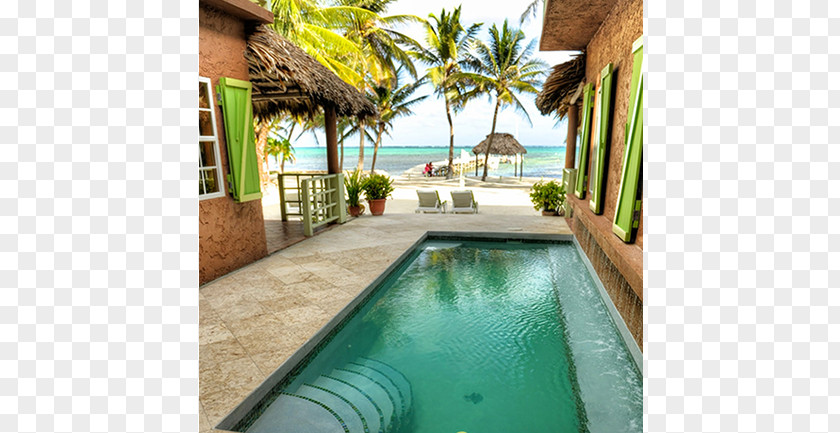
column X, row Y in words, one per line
column 428, row 127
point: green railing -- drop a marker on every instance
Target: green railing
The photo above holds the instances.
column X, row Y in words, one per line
column 290, row 196
column 322, row 201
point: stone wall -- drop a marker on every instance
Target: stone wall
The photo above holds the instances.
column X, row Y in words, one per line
column 231, row 235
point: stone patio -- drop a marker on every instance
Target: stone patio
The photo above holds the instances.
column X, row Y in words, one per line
column 252, row 320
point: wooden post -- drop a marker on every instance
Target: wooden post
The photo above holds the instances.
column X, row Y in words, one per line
column 571, row 136
column 332, row 140
column 282, row 187
column 521, row 164
column 476, row 165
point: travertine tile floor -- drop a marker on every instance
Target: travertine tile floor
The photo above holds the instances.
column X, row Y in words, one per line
column 252, row 320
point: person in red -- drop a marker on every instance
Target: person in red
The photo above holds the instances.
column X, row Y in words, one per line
column 428, row 170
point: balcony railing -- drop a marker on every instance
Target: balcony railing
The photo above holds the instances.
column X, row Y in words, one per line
column 322, row 201
column 291, row 199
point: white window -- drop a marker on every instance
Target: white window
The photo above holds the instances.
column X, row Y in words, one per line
column 210, row 177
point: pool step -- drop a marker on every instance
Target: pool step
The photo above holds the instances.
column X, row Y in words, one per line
column 372, row 414
column 396, row 377
column 363, row 396
column 291, row 413
column 375, row 390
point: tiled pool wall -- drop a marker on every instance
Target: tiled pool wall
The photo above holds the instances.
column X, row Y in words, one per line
column 628, row 304
column 250, row 406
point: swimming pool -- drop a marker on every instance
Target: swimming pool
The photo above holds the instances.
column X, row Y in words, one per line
column 463, row 335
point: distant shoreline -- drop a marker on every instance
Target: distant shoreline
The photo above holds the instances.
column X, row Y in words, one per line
column 419, row 146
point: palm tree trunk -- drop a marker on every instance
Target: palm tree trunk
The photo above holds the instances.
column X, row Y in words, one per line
column 490, row 140
column 451, row 141
column 262, row 128
column 376, row 145
column 361, row 165
column 291, row 130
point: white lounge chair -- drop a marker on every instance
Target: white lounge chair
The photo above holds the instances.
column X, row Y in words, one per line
column 429, row 201
column 463, row 202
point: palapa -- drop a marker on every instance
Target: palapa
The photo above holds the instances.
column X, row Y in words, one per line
column 286, row 79
column 561, row 85
column 503, row 144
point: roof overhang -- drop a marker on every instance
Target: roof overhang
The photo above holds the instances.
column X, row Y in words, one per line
column 569, row 25
column 244, row 9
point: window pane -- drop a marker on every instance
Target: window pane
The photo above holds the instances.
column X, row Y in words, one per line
column 203, row 95
column 210, row 184
column 205, row 123
column 208, row 155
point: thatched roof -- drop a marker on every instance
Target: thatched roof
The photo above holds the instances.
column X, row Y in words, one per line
column 503, row 144
column 286, row 79
column 561, row 85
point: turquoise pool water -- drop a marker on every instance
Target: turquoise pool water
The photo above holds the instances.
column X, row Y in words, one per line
column 469, row 337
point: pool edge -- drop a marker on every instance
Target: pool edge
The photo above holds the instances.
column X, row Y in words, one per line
column 618, row 321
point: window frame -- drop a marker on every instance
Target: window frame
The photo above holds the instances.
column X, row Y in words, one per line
column 220, row 181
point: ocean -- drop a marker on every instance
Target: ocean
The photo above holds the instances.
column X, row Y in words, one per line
column 540, row 161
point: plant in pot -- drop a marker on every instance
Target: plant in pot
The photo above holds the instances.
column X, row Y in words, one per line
column 548, row 197
column 353, row 185
column 377, row 188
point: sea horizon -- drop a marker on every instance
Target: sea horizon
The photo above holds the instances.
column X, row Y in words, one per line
column 540, row 161
column 444, row 146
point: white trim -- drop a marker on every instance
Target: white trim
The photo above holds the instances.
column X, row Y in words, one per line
column 220, row 180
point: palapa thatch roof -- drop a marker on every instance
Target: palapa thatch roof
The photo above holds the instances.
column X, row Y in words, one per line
column 503, row 144
column 561, row 85
column 286, row 79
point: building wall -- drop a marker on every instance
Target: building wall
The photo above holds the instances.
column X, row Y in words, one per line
column 231, row 235
column 618, row 265
column 613, row 42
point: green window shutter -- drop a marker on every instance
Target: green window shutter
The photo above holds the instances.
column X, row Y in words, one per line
column 602, row 134
column 586, row 125
column 244, row 176
column 629, row 204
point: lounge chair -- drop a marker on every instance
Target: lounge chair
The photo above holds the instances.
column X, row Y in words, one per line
column 463, row 202
column 429, row 201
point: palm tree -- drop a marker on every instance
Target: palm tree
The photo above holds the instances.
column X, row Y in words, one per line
column 280, row 146
column 392, row 104
column 531, row 10
column 502, row 69
column 380, row 45
column 262, row 129
column 448, row 43
column 318, row 30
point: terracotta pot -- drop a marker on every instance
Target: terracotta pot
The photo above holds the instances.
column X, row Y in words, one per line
column 356, row 210
column 377, row 207
column 549, row 212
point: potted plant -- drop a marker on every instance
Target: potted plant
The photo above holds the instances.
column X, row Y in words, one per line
column 377, row 188
column 353, row 183
column 548, row 196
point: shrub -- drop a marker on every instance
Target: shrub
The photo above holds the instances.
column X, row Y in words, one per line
column 548, row 195
column 354, row 185
column 377, row 186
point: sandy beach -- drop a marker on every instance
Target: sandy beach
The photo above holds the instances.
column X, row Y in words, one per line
column 499, row 195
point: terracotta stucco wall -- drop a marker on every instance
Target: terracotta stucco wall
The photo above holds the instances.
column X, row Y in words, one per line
column 231, row 235
column 613, row 43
